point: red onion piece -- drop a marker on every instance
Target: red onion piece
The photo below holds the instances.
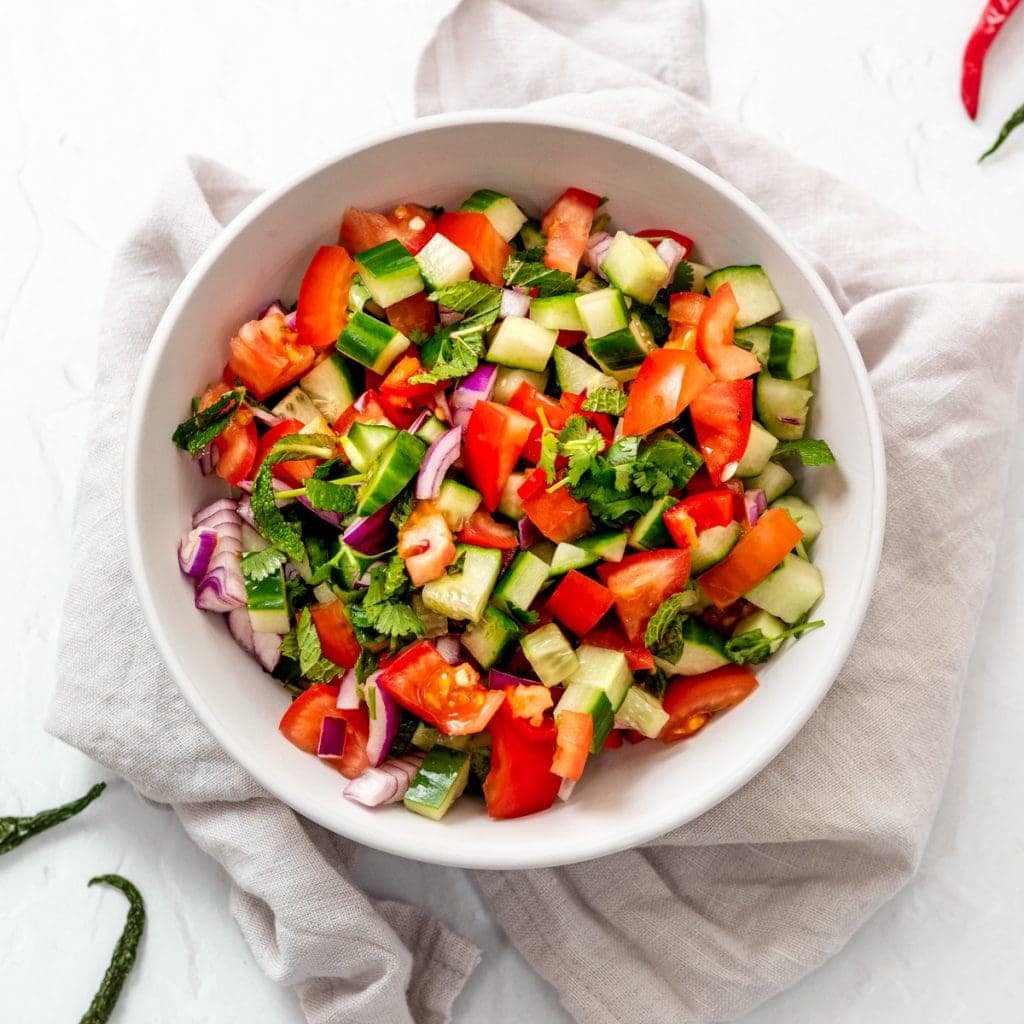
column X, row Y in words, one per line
column 528, row 533
column 498, row 680
column 267, row 648
column 220, row 505
column 369, row 535
column 386, row 784
column 754, row 505
column 348, row 692
column 208, row 459
column 461, row 417
column 440, row 457
column 265, row 416
column 444, row 411
column 222, row 587
column 514, row 303
column 240, row 627
column 245, row 512
column 417, row 424
column 195, row 550
column 672, row 253
column 384, row 718
column 291, row 320
column 448, row 316
column 332, row 738
column 273, row 307
column 220, row 590
column 450, row 648
column 597, row 248
column 477, row 387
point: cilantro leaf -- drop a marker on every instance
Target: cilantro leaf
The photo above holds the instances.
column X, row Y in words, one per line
column 396, row 620
column 401, row 509
column 753, row 647
column 682, row 280
column 522, row 273
column 664, row 465
column 609, row 400
column 199, row 430
column 330, row 497
column 548, row 454
column 366, row 665
column 654, row 319
column 300, row 593
column 258, row 565
column 386, row 580
column 580, row 444
column 664, row 633
column 383, row 609
column 809, row 450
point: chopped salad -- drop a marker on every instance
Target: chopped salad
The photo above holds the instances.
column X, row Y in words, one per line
column 506, row 493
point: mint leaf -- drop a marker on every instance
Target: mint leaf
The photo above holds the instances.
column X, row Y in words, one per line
column 664, row 633
column 458, row 355
column 258, row 565
column 330, row 497
column 753, row 647
column 198, row 431
column 809, row 450
column 308, row 641
column 522, row 273
column 470, row 297
column 609, row 400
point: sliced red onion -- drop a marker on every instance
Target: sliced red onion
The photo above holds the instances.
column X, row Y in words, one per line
column 245, row 512
column 450, row 648
column 461, row 417
column 514, row 303
column 417, row 424
column 566, row 788
column 755, row 504
column 528, row 533
column 332, row 738
column 369, row 535
column 332, row 518
column 498, row 680
column 386, row 784
column 672, row 253
column 208, row 459
column 348, row 692
column 221, row 590
column 265, row 416
column 440, row 457
column 385, row 715
column 265, row 647
column 448, row 316
column 597, row 248
column 477, row 387
column 274, row 307
column 291, row 320
column 443, row 408
column 220, row 505
column 222, row 587
column 195, row 550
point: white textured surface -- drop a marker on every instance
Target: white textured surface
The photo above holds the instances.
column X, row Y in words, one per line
column 95, row 101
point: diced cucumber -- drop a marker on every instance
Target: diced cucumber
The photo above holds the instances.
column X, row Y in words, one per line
column 789, row 591
column 464, row 595
column 794, row 352
column 457, row 503
column 439, row 782
column 619, row 354
column 521, row 343
column 506, row 218
column 509, row 502
column 576, row 375
column 431, row 430
column 557, row 312
column 713, row 545
column 330, row 386
column 507, row 381
column 395, row 467
column 371, row 342
column 522, row 581
column 769, row 625
column 442, row 262
column 493, row 638
column 267, row 600
column 433, row 624
column 593, row 701
column 358, row 295
column 649, row 532
column 365, row 441
column 703, row 650
column 426, row 737
column 389, row 272
column 608, row 547
column 700, row 276
column 803, row 514
column 633, row 265
column 543, row 549
column 606, row 669
column 759, row 450
column 531, row 235
column 550, row 654
column 754, row 292
column 782, row 406
column 757, row 340
column 641, row 711
column 774, row 480
column 602, row 312
column 297, row 405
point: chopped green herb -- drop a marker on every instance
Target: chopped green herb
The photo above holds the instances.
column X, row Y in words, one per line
column 664, row 634
column 753, row 647
column 329, row 496
column 366, row 665
column 14, row 831
column 401, row 509
column 258, row 565
column 609, row 400
column 196, row 433
column 809, row 450
column 521, row 272
column 682, row 280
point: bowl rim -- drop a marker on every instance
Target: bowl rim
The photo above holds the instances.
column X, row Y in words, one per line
column 580, row 846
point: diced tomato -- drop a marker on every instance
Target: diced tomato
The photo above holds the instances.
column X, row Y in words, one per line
column 295, row 472
column 302, row 722
column 267, row 356
column 635, row 736
column 363, row 229
column 529, row 702
column 237, row 444
column 681, row 527
column 573, row 404
column 579, row 602
column 692, row 701
column 686, row 308
column 569, row 338
column 610, row 636
column 566, row 225
column 756, row 553
column 668, row 381
column 640, row 583
column 558, row 515
column 715, row 338
column 572, row 744
column 426, row 544
column 474, row 234
column 354, row 759
column 520, row 780
column 367, row 408
column 495, row 438
column 722, row 414
column 397, row 384
column 657, row 234
column 449, row 697
column 483, row 530
column 414, row 225
column 414, row 314
column 337, row 637
column 322, row 311
column 712, row 508
column 613, row 740
column 682, row 337
column 535, row 482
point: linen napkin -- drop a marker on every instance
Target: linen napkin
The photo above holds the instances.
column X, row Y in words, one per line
column 723, row 913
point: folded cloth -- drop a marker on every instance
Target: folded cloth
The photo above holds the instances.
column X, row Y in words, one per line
column 723, row 913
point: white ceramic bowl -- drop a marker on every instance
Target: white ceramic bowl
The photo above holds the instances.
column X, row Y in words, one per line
column 635, row 793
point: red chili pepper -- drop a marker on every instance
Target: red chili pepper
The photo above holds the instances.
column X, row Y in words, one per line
column 993, row 18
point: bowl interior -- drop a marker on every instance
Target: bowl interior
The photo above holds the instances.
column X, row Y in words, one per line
column 626, row 796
